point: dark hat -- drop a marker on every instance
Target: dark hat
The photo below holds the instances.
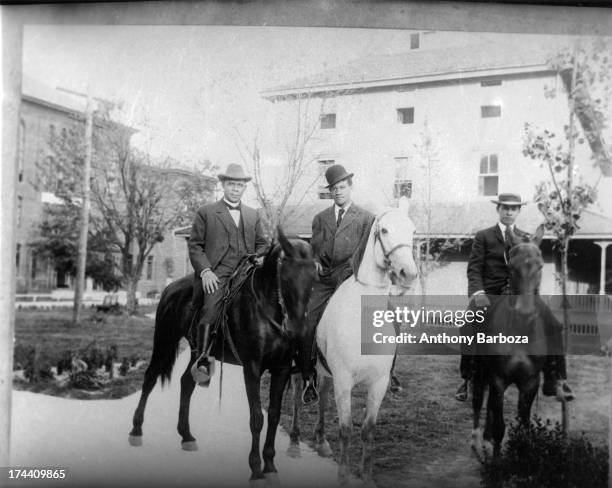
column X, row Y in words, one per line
column 234, row 172
column 512, row 199
column 335, row 174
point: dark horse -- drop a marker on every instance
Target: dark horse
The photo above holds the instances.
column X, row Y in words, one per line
column 521, row 314
column 265, row 321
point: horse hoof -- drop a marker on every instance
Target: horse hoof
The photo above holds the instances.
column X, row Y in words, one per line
column 258, row 483
column 135, row 440
column 272, row 479
column 294, row 451
column 323, row 449
column 189, row 446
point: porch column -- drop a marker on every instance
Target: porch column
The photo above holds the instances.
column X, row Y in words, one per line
column 602, row 272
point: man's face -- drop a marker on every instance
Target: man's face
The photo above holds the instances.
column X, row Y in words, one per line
column 341, row 193
column 233, row 190
column 508, row 213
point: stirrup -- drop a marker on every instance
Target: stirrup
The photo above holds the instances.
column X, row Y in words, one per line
column 202, row 375
column 310, row 395
column 564, row 392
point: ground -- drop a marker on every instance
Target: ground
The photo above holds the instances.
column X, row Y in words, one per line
column 422, row 437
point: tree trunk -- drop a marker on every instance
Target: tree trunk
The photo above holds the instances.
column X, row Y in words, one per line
column 131, row 305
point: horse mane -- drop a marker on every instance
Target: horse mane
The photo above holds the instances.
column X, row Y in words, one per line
column 361, row 247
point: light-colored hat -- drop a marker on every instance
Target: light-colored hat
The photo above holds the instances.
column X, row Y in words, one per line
column 512, row 199
column 234, row 172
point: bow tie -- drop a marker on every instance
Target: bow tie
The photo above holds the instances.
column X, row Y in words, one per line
column 232, row 207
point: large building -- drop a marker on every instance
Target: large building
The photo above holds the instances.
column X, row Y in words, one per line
column 44, row 110
column 445, row 127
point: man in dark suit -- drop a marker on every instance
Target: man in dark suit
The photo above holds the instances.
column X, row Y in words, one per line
column 487, row 274
column 222, row 233
column 336, row 233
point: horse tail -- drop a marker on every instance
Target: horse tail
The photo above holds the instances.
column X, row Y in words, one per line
column 169, row 328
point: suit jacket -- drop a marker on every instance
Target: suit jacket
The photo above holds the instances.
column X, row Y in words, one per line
column 208, row 243
column 487, row 268
column 333, row 247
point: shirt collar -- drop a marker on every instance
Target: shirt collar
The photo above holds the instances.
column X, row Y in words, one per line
column 345, row 208
column 234, row 206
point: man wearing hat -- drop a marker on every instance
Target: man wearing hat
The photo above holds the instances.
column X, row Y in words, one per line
column 222, row 233
column 336, row 232
column 487, row 274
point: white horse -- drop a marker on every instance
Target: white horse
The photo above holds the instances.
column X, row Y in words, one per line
column 387, row 265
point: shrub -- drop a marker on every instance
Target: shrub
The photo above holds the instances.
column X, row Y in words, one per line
column 543, row 456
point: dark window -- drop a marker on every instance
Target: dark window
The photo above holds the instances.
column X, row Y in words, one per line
column 405, row 115
column 414, row 41
column 488, row 179
column 18, row 257
column 487, row 111
column 324, row 193
column 149, row 267
column 402, row 188
column 491, row 82
column 34, row 266
column 328, row 121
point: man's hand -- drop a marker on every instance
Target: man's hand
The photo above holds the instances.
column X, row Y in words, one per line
column 318, row 267
column 210, row 282
column 481, row 300
column 259, row 260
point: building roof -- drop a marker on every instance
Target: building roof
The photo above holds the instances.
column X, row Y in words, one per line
column 451, row 220
column 422, row 65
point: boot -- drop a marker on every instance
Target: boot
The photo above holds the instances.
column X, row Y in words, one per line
column 555, row 379
column 204, row 367
column 395, row 384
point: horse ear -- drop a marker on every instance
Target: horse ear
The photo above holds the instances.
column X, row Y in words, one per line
column 284, row 242
column 539, row 234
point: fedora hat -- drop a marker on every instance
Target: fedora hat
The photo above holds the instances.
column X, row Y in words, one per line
column 234, row 172
column 512, row 199
column 335, row 174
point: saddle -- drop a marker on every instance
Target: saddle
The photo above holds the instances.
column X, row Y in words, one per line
column 220, row 333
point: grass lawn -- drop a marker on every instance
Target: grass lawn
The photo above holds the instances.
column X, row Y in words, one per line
column 52, row 333
column 423, row 433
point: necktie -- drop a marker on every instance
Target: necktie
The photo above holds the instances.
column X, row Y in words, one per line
column 340, row 214
column 232, row 207
column 507, row 242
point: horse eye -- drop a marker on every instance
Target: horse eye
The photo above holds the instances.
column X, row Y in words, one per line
column 383, row 231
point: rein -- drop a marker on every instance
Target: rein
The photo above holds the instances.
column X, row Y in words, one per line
column 282, row 328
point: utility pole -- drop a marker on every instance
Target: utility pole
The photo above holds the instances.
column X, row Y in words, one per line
column 79, row 286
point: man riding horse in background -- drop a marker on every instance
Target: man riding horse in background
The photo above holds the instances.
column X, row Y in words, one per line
column 222, row 234
column 336, row 234
column 488, row 278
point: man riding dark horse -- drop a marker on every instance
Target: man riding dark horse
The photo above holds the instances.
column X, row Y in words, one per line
column 222, row 234
column 488, row 279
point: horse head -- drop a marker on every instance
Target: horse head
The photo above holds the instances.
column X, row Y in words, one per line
column 393, row 232
column 295, row 275
column 525, row 267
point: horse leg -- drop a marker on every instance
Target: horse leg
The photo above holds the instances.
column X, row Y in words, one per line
column 342, row 393
column 150, row 379
column 188, row 442
column 294, row 450
column 478, row 385
column 376, row 393
column 527, row 392
column 495, row 415
column 278, row 381
column 320, row 442
column 252, row 381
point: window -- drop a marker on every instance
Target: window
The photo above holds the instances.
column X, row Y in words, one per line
column 491, row 82
column 487, row 111
column 19, row 210
column 405, row 115
column 414, row 41
column 18, row 257
column 402, row 186
column 328, row 121
column 488, row 179
column 21, row 150
column 324, row 193
column 149, row 267
column 34, row 266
